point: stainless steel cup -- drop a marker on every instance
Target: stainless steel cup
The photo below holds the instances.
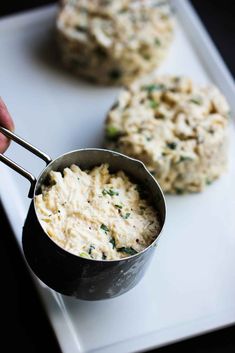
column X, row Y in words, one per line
column 68, row 273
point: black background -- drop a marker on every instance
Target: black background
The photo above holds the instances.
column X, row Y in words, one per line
column 23, row 318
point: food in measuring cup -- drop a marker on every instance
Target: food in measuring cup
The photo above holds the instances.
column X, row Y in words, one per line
column 97, row 214
column 113, row 42
column 177, row 128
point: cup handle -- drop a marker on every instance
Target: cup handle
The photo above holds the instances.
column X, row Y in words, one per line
column 17, row 167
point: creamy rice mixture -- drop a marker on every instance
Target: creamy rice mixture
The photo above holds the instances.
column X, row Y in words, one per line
column 113, row 42
column 177, row 128
column 96, row 214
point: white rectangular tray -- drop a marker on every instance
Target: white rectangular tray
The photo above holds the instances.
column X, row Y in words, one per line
column 190, row 285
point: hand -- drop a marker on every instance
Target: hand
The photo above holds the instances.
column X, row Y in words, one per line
column 7, row 122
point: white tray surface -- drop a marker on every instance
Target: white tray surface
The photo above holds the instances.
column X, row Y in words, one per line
column 190, row 285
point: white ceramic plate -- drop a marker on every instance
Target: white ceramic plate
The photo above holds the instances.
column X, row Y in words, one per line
column 190, row 285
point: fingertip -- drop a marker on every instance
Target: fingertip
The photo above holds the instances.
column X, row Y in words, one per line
column 5, row 117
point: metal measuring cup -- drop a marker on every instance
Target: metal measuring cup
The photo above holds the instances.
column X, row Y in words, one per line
column 63, row 271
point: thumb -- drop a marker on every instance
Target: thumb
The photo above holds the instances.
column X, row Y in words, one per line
column 7, row 122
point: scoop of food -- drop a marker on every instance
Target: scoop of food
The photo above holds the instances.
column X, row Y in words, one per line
column 97, row 214
column 177, row 128
column 113, row 42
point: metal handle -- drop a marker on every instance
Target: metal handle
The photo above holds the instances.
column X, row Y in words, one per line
column 15, row 166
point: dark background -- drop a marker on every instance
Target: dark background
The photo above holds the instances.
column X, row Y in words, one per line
column 23, row 317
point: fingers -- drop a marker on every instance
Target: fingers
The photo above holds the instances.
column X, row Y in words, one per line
column 7, row 122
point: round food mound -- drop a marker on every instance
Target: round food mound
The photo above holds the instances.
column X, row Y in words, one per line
column 95, row 214
column 112, row 42
column 178, row 129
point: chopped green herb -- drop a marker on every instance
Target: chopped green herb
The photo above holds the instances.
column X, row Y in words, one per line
column 129, row 251
column 157, row 42
column 105, row 2
column 172, row 145
column 209, row 182
column 113, row 242
column 153, row 104
column 149, row 138
column 112, row 133
column 211, row 130
column 153, row 172
column 196, row 100
column 179, row 191
column 154, row 87
column 177, row 79
column 58, row 211
column 118, row 206
column 146, row 56
column 126, row 215
column 92, row 247
column 104, row 227
column 115, row 74
column 110, row 192
column 104, row 257
column 78, row 178
column 84, row 254
column 160, row 116
column 184, row 159
column 81, row 28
